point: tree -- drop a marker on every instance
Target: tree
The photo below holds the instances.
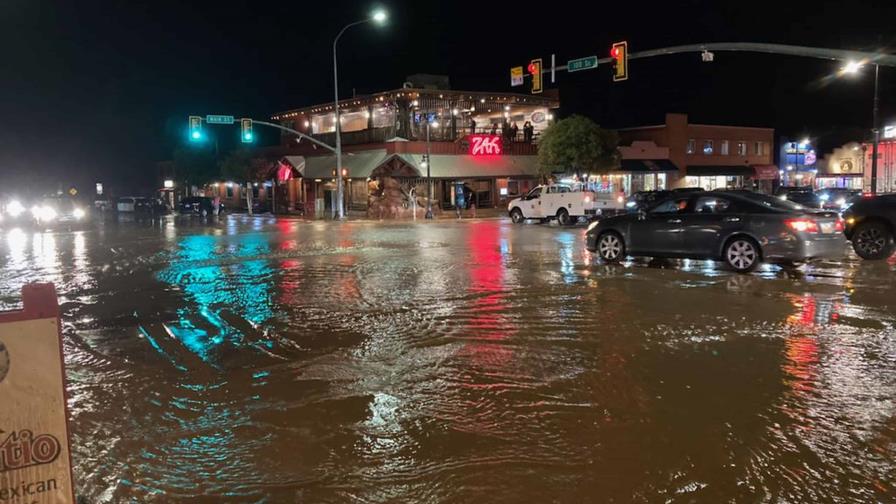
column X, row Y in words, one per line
column 240, row 166
column 194, row 165
column 577, row 144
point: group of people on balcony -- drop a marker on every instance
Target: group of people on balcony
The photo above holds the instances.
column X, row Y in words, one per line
column 510, row 131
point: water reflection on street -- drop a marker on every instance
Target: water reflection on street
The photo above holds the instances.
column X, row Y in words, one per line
column 257, row 360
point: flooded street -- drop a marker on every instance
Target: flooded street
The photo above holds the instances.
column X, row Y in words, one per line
column 257, row 360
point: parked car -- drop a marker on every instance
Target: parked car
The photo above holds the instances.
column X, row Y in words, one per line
column 199, row 205
column 562, row 202
column 741, row 230
column 804, row 196
column 126, row 204
column 150, row 206
column 838, row 198
column 871, row 226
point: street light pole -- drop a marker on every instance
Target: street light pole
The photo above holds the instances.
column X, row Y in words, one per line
column 875, row 130
column 379, row 17
column 428, row 176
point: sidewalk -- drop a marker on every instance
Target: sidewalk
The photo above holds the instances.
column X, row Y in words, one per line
column 478, row 214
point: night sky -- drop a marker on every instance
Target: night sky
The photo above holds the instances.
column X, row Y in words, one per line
column 101, row 90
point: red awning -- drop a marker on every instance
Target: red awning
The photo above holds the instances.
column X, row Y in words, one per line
column 765, row 172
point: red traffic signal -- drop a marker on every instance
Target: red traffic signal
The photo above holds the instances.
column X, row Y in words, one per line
column 535, row 70
column 619, row 54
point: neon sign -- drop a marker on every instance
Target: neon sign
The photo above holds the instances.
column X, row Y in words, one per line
column 485, row 145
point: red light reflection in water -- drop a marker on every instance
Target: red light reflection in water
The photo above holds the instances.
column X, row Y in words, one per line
column 488, row 320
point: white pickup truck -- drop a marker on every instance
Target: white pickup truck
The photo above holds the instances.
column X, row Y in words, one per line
column 562, row 202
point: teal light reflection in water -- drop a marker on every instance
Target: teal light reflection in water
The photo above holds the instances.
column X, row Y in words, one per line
column 219, row 273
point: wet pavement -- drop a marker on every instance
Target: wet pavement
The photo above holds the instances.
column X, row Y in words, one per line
column 255, row 360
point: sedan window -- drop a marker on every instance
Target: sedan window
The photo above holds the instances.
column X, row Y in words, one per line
column 712, row 205
column 674, row 205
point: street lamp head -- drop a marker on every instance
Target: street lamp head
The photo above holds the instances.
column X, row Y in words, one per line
column 379, row 16
column 852, row 67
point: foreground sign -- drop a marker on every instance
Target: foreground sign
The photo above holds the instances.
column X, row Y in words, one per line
column 580, row 64
column 35, row 462
column 516, row 76
column 485, row 145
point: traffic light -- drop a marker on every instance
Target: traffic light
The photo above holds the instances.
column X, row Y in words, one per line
column 619, row 54
column 246, row 130
column 195, row 128
column 535, row 70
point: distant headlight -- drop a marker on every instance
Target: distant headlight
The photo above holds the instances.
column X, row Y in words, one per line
column 14, row 208
column 825, row 197
column 78, row 213
column 841, row 202
column 593, row 225
column 783, row 196
column 43, row 213
column 631, row 204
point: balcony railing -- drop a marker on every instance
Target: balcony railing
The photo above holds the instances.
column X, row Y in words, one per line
column 441, row 135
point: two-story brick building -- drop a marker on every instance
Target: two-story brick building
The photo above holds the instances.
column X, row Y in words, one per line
column 699, row 155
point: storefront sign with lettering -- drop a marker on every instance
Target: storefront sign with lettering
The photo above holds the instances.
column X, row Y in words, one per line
column 35, row 463
column 485, row 145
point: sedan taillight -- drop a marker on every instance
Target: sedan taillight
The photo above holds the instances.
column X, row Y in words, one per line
column 805, row 225
column 838, row 225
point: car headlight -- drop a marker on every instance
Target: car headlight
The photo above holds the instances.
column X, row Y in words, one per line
column 631, row 204
column 841, row 202
column 43, row 213
column 593, row 225
column 79, row 213
column 825, row 197
column 14, row 208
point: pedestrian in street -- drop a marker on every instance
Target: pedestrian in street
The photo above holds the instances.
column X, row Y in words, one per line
column 514, row 129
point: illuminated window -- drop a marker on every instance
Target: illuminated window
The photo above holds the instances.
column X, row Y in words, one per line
column 707, row 147
column 757, row 148
column 229, row 191
column 741, row 148
column 692, row 146
column 724, row 147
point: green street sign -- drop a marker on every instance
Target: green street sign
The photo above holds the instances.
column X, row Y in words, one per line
column 586, row 63
column 219, row 119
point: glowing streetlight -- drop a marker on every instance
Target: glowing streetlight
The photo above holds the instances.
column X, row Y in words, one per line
column 379, row 16
column 852, row 67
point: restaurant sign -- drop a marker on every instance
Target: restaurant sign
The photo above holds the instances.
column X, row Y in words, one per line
column 485, row 145
column 35, row 463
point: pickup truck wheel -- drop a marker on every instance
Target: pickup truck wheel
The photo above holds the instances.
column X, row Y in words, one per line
column 563, row 217
column 610, row 247
column 872, row 241
column 516, row 215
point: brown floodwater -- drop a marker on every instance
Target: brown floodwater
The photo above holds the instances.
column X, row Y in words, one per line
column 256, row 360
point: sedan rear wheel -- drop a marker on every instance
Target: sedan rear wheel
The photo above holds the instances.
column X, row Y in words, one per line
column 872, row 241
column 742, row 254
column 610, row 247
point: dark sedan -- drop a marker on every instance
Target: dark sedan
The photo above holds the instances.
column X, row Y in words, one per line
column 871, row 226
column 741, row 230
column 804, row 196
column 198, row 205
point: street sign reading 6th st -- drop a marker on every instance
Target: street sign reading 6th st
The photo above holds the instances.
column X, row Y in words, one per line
column 586, row 63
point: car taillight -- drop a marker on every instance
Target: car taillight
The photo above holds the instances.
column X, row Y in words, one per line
column 806, row 225
column 838, row 225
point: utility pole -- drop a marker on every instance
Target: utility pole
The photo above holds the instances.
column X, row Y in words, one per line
column 875, row 130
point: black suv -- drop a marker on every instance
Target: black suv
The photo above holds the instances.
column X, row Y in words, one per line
column 871, row 225
column 800, row 195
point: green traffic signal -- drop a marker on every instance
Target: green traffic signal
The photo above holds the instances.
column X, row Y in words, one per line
column 195, row 128
column 246, row 128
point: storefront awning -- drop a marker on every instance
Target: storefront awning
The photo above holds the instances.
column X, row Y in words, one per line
column 647, row 165
column 765, row 172
column 714, row 171
column 464, row 166
column 358, row 164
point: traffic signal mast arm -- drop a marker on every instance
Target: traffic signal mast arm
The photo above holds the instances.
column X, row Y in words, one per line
column 297, row 133
column 789, row 50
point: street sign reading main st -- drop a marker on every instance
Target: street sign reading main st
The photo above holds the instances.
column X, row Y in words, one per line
column 219, row 119
column 585, row 63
